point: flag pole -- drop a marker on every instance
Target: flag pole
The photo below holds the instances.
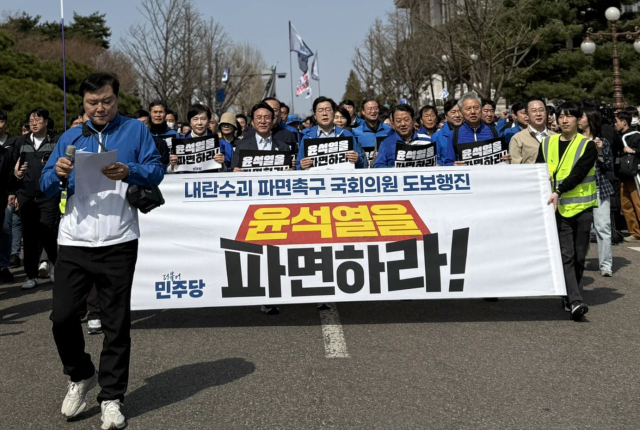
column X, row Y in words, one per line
column 293, row 109
column 318, row 66
column 64, row 66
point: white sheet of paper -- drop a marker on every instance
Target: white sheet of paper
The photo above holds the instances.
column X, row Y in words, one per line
column 89, row 177
column 339, row 166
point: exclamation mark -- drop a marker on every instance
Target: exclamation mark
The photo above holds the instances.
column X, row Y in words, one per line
column 459, row 244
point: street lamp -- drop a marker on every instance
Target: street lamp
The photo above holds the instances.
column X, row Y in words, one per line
column 588, row 46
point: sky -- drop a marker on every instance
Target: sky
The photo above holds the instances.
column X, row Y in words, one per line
column 332, row 27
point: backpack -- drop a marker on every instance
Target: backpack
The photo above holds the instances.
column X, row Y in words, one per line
column 628, row 162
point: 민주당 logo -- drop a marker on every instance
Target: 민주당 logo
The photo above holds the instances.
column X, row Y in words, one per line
column 331, row 223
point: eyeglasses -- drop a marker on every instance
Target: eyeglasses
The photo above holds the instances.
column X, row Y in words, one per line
column 36, row 121
column 371, row 110
column 541, row 110
column 263, row 118
column 323, row 110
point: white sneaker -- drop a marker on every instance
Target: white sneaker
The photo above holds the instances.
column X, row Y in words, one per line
column 94, row 326
column 112, row 417
column 51, row 271
column 74, row 401
column 29, row 283
column 43, row 269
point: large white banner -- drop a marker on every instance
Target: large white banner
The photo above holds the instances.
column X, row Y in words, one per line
column 230, row 239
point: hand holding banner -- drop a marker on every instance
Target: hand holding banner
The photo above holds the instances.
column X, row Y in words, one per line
column 196, row 154
column 329, row 153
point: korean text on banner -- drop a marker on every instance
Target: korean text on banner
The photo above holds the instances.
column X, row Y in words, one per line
column 196, row 154
column 235, row 239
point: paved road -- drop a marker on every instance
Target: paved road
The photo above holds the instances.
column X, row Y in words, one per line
column 465, row 364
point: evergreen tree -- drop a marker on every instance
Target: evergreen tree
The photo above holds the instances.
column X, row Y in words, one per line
column 353, row 89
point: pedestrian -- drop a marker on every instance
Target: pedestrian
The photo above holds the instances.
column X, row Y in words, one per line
column 520, row 121
column 629, row 184
column 571, row 159
column 105, row 256
column 39, row 214
column 589, row 126
column 428, row 120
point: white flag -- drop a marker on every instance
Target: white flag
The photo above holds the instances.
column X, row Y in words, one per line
column 444, row 94
column 315, row 74
column 296, row 43
column 225, row 74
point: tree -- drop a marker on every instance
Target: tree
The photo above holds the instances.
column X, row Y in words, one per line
column 561, row 71
column 353, row 89
column 92, row 27
column 179, row 58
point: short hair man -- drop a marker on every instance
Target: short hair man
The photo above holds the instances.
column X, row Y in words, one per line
column 520, row 121
column 428, row 117
column 446, row 155
column 403, row 120
column 105, row 256
column 371, row 128
column 261, row 137
column 525, row 145
column 38, row 214
column 284, row 112
column 160, row 130
column 350, row 106
column 324, row 110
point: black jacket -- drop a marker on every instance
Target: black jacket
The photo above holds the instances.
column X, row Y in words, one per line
column 280, row 141
column 29, row 186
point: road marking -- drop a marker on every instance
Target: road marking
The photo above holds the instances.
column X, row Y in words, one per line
column 335, row 345
column 635, row 248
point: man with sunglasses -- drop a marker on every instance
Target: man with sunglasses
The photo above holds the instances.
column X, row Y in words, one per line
column 39, row 214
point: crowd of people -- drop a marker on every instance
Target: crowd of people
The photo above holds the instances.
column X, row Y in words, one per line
column 584, row 145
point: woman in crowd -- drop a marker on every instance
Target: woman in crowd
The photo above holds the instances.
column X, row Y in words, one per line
column 342, row 118
column 199, row 117
column 229, row 128
column 590, row 127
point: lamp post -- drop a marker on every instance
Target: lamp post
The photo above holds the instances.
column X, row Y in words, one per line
column 588, row 46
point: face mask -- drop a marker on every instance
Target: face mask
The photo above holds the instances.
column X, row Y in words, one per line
column 634, row 121
column 170, row 125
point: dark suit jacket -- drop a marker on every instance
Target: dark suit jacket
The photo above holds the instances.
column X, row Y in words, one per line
column 279, row 143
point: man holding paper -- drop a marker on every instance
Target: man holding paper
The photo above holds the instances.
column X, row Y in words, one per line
column 324, row 111
column 98, row 238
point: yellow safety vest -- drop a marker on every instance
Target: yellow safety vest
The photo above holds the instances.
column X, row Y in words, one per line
column 585, row 194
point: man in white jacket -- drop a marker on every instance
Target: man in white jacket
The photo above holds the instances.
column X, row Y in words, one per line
column 98, row 238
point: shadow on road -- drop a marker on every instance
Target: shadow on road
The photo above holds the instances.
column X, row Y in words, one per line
column 16, row 314
column 178, row 384
column 389, row 312
column 593, row 264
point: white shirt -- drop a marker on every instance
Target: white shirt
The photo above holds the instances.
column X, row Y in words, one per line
column 37, row 141
column 264, row 144
column 3, row 140
column 539, row 135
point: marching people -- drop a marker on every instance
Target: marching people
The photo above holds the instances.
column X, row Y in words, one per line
column 342, row 118
column 371, row 128
column 489, row 115
column 243, row 123
column 525, row 145
column 454, row 120
column 428, row 121
column 6, row 174
column 629, row 182
column 324, row 111
column 520, row 121
column 104, row 256
column 261, row 137
column 142, row 116
column 199, row 117
column 473, row 129
column 571, row 159
column 213, row 124
column 284, row 132
column 403, row 120
column 228, row 129
column 39, row 213
column 171, row 118
column 590, row 127
column 161, row 132
column 350, row 106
